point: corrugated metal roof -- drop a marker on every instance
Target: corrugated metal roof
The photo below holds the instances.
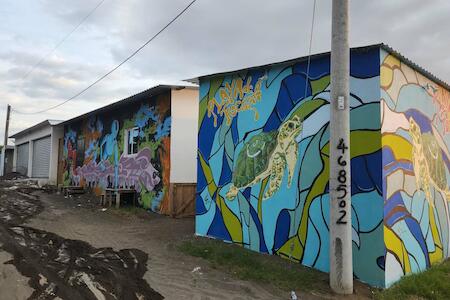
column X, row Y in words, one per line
column 385, row 47
column 159, row 89
column 34, row 127
column 415, row 66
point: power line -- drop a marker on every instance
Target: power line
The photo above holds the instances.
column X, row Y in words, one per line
column 311, row 37
column 116, row 67
column 62, row 40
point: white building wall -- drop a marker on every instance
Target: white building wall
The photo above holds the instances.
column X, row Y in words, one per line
column 30, row 159
column 57, row 133
column 15, row 159
column 2, row 163
column 30, row 137
column 183, row 135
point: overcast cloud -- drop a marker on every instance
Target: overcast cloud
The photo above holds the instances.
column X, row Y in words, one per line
column 213, row 36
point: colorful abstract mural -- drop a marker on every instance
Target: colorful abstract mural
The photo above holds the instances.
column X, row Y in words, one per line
column 416, row 143
column 263, row 164
column 128, row 147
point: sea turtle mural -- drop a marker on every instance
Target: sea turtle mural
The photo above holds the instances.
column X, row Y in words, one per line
column 267, row 155
column 429, row 166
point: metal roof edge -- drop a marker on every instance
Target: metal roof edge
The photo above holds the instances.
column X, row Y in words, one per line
column 415, row 66
column 48, row 122
column 383, row 46
column 150, row 92
column 195, row 80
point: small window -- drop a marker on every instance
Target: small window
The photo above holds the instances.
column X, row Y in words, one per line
column 132, row 141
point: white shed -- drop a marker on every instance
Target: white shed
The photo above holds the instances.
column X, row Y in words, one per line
column 36, row 151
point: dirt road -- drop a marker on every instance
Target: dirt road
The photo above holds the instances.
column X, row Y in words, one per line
column 53, row 247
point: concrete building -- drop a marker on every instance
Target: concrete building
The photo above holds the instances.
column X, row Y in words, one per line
column 146, row 142
column 36, row 151
column 8, row 166
column 263, row 162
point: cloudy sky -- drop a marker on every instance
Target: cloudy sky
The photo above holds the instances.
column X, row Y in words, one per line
column 213, row 36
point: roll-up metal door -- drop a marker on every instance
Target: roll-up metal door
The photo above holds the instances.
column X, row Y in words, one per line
column 22, row 159
column 41, row 158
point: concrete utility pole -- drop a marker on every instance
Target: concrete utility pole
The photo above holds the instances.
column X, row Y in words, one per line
column 5, row 143
column 341, row 263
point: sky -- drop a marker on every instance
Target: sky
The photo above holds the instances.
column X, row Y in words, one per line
column 212, row 36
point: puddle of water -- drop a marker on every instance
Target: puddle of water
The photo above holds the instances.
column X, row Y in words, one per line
column 68, row 269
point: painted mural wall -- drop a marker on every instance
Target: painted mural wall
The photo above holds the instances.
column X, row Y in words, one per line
column 97, row 151
column 416, row 143
column 263, row 164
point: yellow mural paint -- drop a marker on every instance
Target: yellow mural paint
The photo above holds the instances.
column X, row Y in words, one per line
column 395, row 245
column 401, row 148
column 232, row 222
column 235, row 97
column 212, row 187
column 387, row 71
column 260, row 196
column 292, row 249
column 438, row 254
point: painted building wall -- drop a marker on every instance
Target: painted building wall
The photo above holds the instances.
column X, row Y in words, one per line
column 416, row 143
column 183, row 135
column 263, row 162
column 94, row 151
column 9, row 157
column 7, row 165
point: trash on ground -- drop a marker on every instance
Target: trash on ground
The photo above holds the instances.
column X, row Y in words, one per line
column 197, row 270
column 293, row 295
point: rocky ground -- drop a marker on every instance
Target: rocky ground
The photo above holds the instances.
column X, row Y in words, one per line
column 52, row 247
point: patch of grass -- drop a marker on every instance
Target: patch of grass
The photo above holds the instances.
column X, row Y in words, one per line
column 249, row 265
column 431, row 284
column 129, row 210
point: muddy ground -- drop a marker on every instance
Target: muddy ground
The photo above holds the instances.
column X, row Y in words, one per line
column 56, row 247
column 52, row 247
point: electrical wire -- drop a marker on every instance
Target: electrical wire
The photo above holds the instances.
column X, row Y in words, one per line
column 115, row 68
column 311, row 37
column 62, row 40
column 310, row 47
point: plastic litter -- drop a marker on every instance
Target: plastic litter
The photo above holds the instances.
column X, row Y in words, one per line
column 293, row 296
column 197, row 270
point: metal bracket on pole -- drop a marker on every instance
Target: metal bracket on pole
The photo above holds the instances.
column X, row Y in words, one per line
column 341, row 102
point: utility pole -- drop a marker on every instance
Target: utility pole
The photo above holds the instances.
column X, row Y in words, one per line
column 341, row 262
column 5, row 143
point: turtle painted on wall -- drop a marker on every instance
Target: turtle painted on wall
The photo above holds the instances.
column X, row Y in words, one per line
column 428, row 163
column 267, row 155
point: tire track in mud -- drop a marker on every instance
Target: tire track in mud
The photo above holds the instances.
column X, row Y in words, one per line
column 68, row 269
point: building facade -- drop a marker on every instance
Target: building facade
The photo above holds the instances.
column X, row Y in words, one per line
column 7, row 166
column 145, row 142
column 263, row 162
column 36, row 151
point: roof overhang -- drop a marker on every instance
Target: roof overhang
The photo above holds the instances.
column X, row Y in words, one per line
column 35, row 127
column 151, row 92
column 196, row 80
